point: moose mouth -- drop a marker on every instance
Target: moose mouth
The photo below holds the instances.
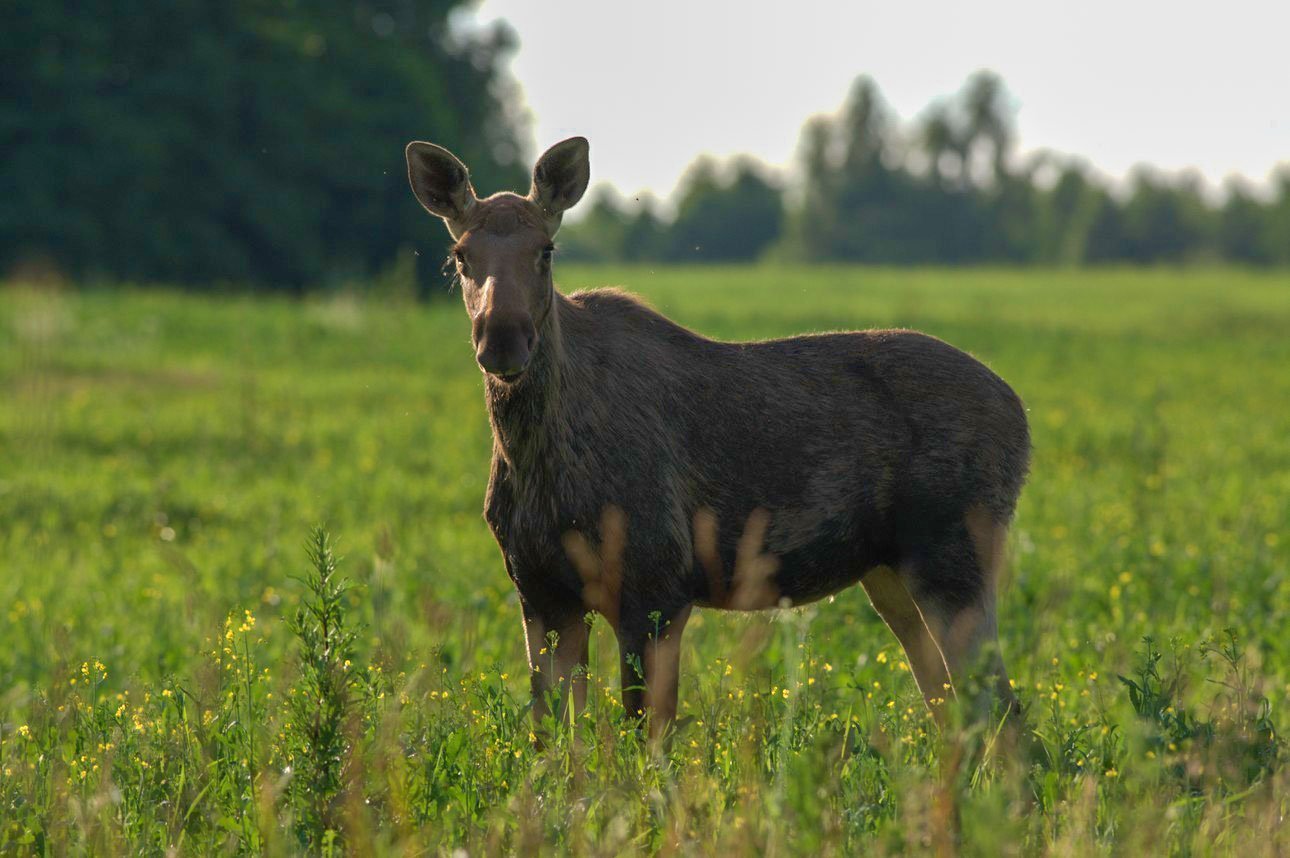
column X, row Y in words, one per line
column 508, row 378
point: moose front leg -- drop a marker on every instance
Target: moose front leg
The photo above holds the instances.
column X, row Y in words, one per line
column 649, row 646
column 557, row 662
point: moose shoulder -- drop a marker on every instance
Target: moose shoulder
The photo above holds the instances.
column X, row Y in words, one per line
column 640, row 469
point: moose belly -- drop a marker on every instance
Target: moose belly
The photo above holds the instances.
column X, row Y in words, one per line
column 835, row 557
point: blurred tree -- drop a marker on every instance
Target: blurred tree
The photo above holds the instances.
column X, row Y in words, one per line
column 599, row 235
column 251, row 140
column 988, row 121
column 1165, row 222
column 856, row 205
column 951, row 193
column 940, row 141
column 868, row 224
column 1066, row 214
column 646, row 235
column 725, row 220
column 1008, row 204
column 865, row 130
column 1275, row 230
column 1241, row 227
column 1012, row 213
column 1106, row 240
column 812, row 225
column 610, row 232
column 260, row 140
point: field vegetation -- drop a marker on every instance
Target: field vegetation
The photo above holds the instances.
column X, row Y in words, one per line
column 188, row 665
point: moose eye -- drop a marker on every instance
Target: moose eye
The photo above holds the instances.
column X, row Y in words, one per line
column 547, row 251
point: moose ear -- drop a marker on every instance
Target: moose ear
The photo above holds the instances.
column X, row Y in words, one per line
column 441, row 184
column 560, row 179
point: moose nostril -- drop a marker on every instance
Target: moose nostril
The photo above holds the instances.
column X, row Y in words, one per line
column 529, row 340
column 502, row 361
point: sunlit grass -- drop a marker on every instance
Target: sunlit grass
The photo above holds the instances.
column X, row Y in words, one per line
column 163, row 457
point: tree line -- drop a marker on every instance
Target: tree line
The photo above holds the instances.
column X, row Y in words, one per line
column 947, row 190
column 260, row 141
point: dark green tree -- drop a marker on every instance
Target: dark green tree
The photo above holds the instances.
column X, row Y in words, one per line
column 988, row 121
column 1275, row 231
column 1106, row 240
column 941, row 146
column 1242, row 224
column 857, row 203
column 813, row 224
column 1067, row 214
column 600, row 234
column 1164, row 221
column 646, row 233
column 614, row 230
column 723, row 219
column 255, row 140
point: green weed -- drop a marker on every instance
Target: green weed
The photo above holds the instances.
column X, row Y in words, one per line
column 170, row 683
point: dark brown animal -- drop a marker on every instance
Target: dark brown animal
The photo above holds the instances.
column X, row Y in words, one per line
column 640, row 469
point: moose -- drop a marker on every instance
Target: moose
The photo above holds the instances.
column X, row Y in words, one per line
column 640, row 469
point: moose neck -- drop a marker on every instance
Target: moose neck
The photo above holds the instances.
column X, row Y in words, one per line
column 524, row 414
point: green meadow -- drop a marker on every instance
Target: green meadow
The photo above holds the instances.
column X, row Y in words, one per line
column 176, row 678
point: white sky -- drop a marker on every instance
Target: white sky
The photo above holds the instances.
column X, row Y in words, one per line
column 654, row 83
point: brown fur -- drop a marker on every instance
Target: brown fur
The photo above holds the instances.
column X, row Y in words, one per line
column 640, row 469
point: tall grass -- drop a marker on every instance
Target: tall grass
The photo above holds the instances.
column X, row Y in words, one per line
column 176, row 675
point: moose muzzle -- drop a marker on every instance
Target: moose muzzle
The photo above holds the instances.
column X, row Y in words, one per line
column 503, row 343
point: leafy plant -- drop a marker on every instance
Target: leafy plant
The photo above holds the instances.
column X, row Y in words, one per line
column 319, row 734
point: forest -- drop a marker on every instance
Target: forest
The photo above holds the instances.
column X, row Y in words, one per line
column 205, row 145
column 947, row 189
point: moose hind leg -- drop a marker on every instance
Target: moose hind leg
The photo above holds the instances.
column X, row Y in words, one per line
column 954, row 584
column 893, row 603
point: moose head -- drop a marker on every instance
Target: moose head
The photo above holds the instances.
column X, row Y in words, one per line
column 503, row 245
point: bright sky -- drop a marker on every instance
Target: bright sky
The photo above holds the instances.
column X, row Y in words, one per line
column 654, row 83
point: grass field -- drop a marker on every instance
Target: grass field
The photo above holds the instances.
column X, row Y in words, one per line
column 164, row 457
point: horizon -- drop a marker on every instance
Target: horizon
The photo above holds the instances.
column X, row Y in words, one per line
column 1152, row 104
